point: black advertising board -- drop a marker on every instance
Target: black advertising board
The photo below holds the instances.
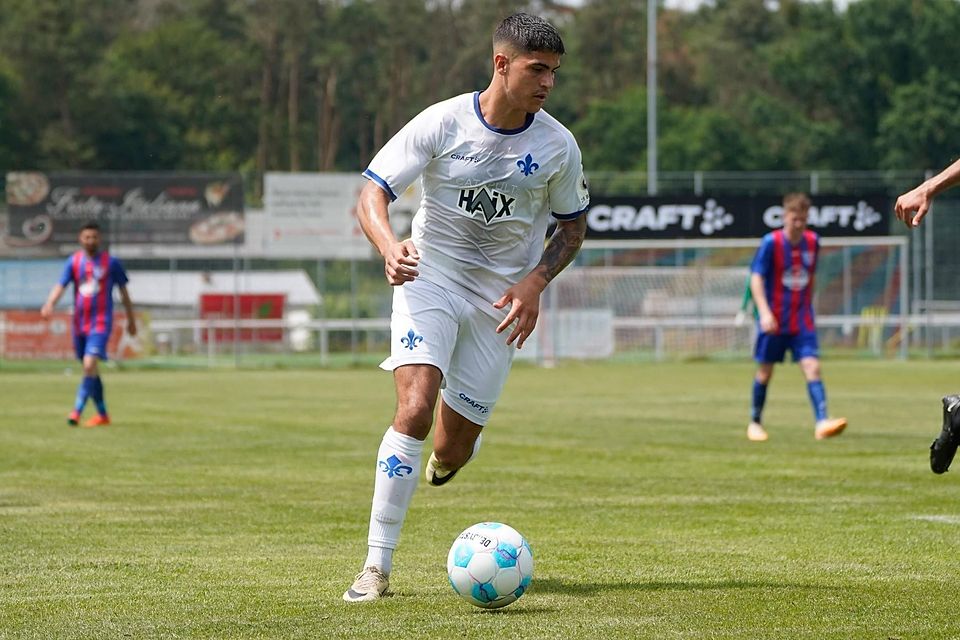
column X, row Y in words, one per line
column 48, row 209
column 651, row 218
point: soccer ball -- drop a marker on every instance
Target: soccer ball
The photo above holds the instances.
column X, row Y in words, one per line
column 490, row 565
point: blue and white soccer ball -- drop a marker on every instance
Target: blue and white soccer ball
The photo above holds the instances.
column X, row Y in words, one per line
column 490, row 565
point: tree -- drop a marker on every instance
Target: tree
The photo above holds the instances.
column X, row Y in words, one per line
column 922, row 126
column 55, row 44
column 170, row 108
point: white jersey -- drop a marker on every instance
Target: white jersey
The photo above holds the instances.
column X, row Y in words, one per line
column 488, row 193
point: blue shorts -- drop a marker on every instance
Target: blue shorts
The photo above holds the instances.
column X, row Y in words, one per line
column 773, row 347
column 94, row 344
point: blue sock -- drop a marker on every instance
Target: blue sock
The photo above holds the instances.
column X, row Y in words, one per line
column 818, row 398
column 84, row 390
column 97, row 392
column 759, row 399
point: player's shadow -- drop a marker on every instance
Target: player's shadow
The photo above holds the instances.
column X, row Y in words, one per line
column 580, row 588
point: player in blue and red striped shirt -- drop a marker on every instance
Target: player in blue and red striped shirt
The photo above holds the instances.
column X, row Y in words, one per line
column 781, row 282
column 93, row 273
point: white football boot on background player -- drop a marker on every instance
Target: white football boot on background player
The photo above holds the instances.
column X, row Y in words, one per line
column 756, row 432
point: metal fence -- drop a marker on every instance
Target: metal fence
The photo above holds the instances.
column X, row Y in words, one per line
column 348, row 323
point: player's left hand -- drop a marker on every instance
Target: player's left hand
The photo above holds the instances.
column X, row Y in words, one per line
column 524, row 301
column 131, row 326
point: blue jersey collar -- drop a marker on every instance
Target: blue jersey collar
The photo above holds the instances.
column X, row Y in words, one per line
column 506, row 132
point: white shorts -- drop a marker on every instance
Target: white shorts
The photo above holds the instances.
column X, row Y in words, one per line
column 430, row 325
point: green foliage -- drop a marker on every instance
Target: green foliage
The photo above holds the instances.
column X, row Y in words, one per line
column 612, row 133
column 922, row 124
column 285, row 84
column 11, row 135
column 177, row 97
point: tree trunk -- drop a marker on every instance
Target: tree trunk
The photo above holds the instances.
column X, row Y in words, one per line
column 263, row 127
column 283, row 81
column 293, row 112
column 328, row 121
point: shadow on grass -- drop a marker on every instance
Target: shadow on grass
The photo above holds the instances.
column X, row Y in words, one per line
column 575, row 588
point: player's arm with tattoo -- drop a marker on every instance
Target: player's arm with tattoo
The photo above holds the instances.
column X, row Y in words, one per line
column 524, row 297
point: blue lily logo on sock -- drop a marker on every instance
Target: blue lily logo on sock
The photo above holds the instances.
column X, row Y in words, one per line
column 393, row 466
column 411, row 340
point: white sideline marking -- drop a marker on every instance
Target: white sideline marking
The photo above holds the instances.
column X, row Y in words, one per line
column 938, row 518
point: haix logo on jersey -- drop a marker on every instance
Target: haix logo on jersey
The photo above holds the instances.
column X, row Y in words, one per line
column 492, row 204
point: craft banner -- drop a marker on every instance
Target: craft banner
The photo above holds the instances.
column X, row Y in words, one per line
column 641, row 217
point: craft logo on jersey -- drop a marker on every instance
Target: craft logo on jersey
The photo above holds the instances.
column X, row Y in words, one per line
column 492, row 204
column 527, row 165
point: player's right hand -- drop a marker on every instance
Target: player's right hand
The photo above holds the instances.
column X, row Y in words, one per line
column 912, row 206
column 46, row 310
column 400, row 263
column 768, row 323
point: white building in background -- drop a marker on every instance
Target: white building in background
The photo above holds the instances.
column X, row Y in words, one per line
column 181, row 290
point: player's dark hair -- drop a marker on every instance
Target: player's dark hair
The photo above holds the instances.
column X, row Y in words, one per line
column 90, row 225
column 525, row 32
column 796, row 201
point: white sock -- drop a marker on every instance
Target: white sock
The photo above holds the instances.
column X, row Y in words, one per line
column 379, row 557
column 398, row 471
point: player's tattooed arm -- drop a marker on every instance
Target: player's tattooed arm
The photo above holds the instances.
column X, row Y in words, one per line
column 563, row 247
column 523, row 298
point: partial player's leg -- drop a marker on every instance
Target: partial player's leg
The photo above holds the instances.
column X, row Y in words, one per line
column 758, row 399
column 478, row 370
column 825, row 426
column 85, row 388
column 423, row 334
column 398, row 470
column 945, row 446
column 96, row 350
column 456, row 441
column 768, row 350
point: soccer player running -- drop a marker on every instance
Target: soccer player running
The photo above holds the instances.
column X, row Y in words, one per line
column 494, row 168
column 911, row 208
column 781, row 283
column 93, row 273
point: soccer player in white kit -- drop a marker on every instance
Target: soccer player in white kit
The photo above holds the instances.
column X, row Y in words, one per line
column 495, row 169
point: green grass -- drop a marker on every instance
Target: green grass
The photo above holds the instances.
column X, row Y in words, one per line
column 234, row 504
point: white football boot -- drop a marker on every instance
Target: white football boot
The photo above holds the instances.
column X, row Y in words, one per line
column 370, row 584
column 756, row 432
column 436, row 473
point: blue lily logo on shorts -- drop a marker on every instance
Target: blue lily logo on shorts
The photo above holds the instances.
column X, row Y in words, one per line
column 411, row 340
column 527, row 165
column 393, row 466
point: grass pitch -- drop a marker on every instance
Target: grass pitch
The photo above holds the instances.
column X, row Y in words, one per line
column 234, row 504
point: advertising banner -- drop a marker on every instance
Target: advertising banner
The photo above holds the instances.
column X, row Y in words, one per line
column 242, row 306
column 641, row 217
column 314, row 215
column 26, row 335
column 47, row 210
